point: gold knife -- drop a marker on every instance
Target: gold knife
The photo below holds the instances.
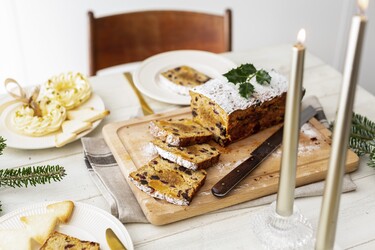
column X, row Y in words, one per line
column 145, row 108
column 113, row 241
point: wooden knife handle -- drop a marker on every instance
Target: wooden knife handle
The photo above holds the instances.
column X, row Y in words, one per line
column 229, row 181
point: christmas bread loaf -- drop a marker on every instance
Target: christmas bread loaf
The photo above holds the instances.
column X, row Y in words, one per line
column 218, row 106
column 166, row 180
column 193, row 157
column 59, row 240
column 181, row 79
column 179, row 132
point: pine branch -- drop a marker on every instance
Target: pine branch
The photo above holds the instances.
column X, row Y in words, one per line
column 364, row 123
column 362, row 137
column 31, row 175
column 2, row 144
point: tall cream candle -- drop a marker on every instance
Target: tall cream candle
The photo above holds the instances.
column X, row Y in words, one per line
column 332, row 191
column 287, row 181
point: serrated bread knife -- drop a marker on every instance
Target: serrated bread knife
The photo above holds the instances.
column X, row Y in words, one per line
column 229, row 181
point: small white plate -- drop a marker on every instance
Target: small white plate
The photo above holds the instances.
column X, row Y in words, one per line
column 16, row 140
column 87, row 223
column 147, row 76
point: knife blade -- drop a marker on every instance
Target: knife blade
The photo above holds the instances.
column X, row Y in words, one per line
column 229, row 181
column 113, row 241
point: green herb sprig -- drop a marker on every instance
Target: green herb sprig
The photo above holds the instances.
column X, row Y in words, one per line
column 23, row 177
column 362, row 137
column 2, row 145
column 29, row 176
column 242, row 76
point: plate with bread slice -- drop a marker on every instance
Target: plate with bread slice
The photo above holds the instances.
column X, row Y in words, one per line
column 77, row 122
column 57, row 225
column 168, row 77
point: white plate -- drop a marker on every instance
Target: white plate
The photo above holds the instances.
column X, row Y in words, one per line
column 147, row 76
column 16, row 140
column 87, row 223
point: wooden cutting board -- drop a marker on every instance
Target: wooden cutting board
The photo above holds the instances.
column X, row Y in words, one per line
column 129, row 143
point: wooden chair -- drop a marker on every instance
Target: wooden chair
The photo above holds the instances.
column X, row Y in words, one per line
column 135, row 36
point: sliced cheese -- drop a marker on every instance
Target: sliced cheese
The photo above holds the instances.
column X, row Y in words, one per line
column 62, row 139
column 40, row 226
column 11, row 239
column 87, row 114
column 62, row 210
column 75, row 126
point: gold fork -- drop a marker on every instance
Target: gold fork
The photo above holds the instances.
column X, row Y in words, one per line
column 145, row 108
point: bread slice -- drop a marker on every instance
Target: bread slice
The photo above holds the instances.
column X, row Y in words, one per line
column 193, row 157
column 40, row 226
column 166, row 180
column 87, row 114
column 63, row 138
column 75, row 126
column 60, row 241
column 179, row 132
column 62, row 210
column 11, row 239
column 181, row 79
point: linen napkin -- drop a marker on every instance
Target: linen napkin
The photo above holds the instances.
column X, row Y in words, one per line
column 110, row 181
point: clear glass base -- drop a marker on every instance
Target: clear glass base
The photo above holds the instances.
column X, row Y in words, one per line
column 279, row 232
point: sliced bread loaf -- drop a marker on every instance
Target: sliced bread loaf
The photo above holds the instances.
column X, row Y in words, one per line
column 60, row 241
column 166, row 180
column 192, row 157
column 179, row 132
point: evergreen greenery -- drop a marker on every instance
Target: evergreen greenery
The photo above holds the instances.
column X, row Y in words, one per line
column 23, row 177
column 2, row 145
column 362, row 137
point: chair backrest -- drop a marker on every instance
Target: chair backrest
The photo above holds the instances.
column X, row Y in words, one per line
column 135, row 36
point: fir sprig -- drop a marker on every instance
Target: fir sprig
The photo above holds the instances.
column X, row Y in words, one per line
column 22, row 177
column 362, row 137
column 242, row 76
column 2, row 144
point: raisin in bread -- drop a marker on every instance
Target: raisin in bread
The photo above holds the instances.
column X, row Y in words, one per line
column 166, row 180
column 181, row 79
column 179, row 132
column 218, row 106
column 193, row 157
column 60, row 241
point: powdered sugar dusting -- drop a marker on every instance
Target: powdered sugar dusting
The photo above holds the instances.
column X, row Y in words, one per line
column 302, row 149
column 149, row 151
column 308, row 130
column 226, row 166
column 227, row 96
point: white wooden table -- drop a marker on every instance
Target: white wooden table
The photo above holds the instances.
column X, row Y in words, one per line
column 218, row 230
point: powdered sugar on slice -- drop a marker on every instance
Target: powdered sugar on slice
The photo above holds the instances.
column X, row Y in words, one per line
column 149, row 151
column 227, row 96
